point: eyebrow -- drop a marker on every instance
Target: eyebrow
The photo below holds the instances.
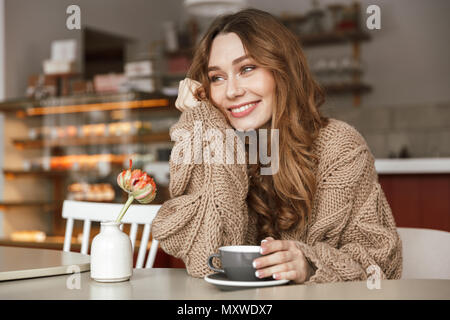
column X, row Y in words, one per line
column 235, row 61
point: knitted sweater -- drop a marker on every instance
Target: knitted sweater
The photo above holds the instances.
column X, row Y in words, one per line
column 351, row 230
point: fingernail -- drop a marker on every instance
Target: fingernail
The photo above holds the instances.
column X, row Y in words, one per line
column 261, row 250
column 275, row 276
column 262, row 241
column 257, row 274
column 254, row 264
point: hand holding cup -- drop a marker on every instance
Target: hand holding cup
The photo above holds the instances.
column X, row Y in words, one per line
column 283, row 259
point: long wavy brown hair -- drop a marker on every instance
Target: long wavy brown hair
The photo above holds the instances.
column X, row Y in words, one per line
column 283, row 201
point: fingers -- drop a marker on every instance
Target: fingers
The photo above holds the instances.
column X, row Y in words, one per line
column 178, row 103
column 186, row 94
column 192, row 85
column 272, row 245
column 273, row 259
column 277, row 270
column 289, row 275
column 281, row 265
column 281, row 260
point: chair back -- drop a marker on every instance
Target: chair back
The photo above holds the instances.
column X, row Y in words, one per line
column 426, row 253
column 98, row 211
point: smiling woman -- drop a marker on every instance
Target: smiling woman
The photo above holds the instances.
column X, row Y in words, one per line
column 322, row 216
column 254, row 71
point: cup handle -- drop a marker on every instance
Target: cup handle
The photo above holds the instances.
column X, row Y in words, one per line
column 210, row 264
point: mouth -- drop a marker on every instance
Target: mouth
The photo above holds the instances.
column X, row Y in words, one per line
column 244, row 110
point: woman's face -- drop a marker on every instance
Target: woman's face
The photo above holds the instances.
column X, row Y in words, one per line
column 242, row 89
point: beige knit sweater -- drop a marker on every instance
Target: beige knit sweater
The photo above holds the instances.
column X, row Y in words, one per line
column 351, row 227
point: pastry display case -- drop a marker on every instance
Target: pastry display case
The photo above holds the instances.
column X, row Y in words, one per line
column 73, row 147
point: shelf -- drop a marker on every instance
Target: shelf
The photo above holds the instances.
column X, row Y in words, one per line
column 20, row 204
column 188, row 51
column 104, row 106
column 331, row 38
column 347, row 88
column 36, row 144
column 88, row 103
column 179, row 76
column 310, row 40
column 13, row 174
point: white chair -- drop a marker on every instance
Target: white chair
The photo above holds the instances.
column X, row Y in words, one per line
column 426, row 253
column 96, row 211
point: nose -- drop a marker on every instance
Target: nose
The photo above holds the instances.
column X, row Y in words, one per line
column 234, row 88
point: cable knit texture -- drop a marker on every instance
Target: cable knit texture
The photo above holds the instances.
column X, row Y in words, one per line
column 351, row 227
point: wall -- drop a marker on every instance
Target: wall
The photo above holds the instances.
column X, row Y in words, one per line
column 422, row 128
column 31, row 26
column 407, row 59
column 407, row 63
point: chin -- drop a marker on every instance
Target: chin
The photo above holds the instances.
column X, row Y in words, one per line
column 247, row 126
column 241, row 127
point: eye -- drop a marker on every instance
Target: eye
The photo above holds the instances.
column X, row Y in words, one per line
column 214, row 78
column 247, row 69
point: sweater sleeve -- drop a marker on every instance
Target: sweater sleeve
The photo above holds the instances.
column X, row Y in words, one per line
column 207, row 206
column 354, row 232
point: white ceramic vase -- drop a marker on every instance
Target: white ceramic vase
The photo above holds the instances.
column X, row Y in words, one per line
column 111, row 254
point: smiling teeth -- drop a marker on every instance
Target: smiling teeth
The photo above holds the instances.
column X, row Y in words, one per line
column 243, row 108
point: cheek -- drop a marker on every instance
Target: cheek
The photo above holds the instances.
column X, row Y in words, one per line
column 269, row 101
column 267, row 91
column 269, row 87
column 216, row 97
column 265, row 85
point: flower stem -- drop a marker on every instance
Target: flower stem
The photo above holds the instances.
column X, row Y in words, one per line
column 125, row 208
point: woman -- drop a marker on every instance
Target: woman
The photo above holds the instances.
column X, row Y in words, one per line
column 322, row 216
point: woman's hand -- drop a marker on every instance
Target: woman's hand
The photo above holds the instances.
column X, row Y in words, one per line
column 283, row 260
column 186, row 94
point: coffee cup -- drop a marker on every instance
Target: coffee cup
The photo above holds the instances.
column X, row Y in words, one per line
column 237, row 262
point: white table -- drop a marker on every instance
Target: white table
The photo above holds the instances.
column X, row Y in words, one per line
column 176, row 284
column 20, row 263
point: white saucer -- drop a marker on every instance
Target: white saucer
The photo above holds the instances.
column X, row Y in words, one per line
column 220, row 280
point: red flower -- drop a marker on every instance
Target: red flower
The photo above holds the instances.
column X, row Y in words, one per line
column 138, row 184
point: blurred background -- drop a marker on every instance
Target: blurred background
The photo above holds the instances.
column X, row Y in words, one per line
column 87, row 85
